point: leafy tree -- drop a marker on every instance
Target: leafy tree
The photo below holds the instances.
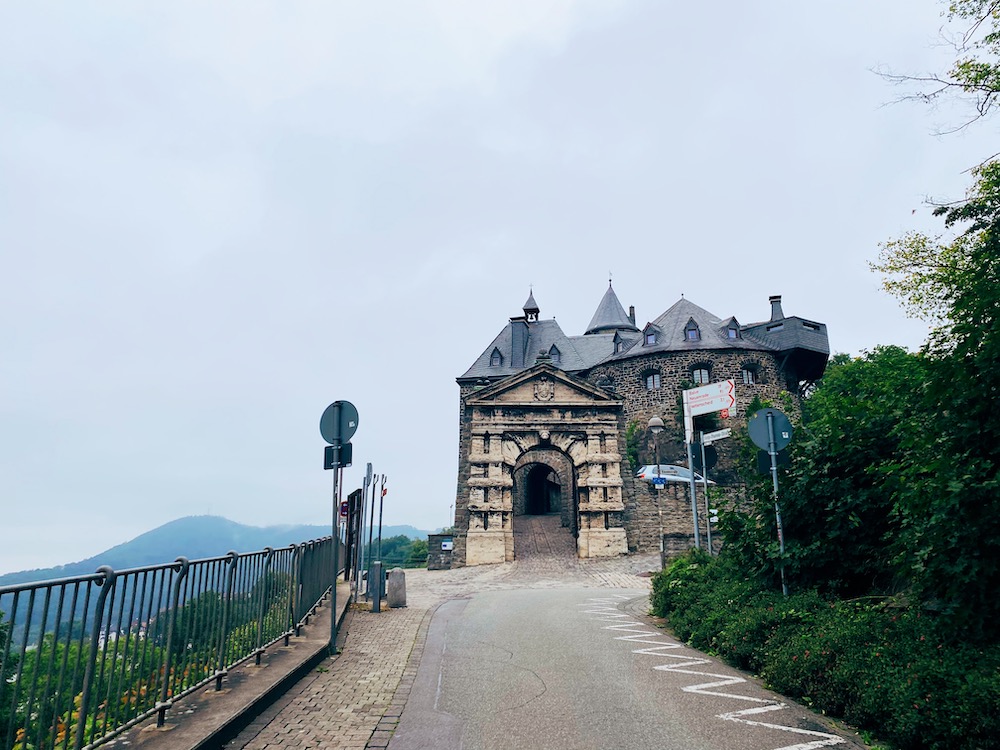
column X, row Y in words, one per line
column 838, row 498
column 418, row 553
column 837, row 495
column 949, row 503
column 974, row 76
column 8, row 666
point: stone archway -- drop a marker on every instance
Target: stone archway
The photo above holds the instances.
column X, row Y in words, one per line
column 539, row 418
column 544, row 503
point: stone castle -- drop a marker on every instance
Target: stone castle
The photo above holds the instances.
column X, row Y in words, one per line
column 547, row 421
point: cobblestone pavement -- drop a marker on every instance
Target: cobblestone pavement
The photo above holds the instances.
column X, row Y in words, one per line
column 354, row 700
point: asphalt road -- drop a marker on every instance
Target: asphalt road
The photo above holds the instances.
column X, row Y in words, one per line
column 584, row 668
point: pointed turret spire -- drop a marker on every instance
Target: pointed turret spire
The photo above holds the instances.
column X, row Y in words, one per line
column 531, row 307
column 610, row 315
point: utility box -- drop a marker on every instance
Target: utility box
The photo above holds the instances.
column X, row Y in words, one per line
column 396, row 594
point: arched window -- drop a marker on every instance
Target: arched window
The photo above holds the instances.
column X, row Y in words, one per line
column 700, row 375
column 652, row 379
column 750, row 374
column 496, row 359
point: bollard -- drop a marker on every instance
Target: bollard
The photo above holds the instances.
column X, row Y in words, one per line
column 376, row 592
column 397, row 588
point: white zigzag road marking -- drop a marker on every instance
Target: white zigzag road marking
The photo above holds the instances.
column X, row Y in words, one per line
column 826, row 741
column 607, row 611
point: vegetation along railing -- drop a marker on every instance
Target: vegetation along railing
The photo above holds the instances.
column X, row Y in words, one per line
column 82, row 659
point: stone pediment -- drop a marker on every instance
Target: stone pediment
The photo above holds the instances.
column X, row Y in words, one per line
column 543, row 385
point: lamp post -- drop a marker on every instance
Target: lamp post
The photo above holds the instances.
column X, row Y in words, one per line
column 656, row 427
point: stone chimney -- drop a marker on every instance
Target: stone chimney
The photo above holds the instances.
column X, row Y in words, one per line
column 776, row 313
column 631, row 314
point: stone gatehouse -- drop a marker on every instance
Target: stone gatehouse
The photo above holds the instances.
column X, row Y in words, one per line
column 547, row 420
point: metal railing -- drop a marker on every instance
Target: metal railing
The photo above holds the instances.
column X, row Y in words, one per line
column 83, row 659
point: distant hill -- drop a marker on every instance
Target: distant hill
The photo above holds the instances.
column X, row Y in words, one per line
column 193, row 537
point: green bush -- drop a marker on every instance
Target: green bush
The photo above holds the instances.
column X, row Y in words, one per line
column 878, row 663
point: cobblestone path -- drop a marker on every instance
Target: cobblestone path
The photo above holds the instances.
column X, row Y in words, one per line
column 354, row 700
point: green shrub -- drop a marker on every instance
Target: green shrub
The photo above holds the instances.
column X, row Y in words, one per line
column 877, row 663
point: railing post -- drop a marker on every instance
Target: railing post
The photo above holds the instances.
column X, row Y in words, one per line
column 293, row 587
column 165, row 702
column 221, row 671
column 95, row 636
column 265, row 581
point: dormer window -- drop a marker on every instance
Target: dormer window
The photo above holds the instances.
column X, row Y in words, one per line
column 496, row 358
column 733, row 332
column 555, row 355
column 619, row 344
column 650, row 337
column 691, row 331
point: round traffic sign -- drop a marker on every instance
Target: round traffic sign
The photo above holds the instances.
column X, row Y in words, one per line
column 339, row 422
column 757, row 427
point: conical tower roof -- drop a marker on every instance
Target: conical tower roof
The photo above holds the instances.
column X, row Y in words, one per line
column 610, row 315
column 530, row 306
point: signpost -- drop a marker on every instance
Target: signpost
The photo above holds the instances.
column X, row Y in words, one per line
column 770, row 430
column 337, row 425
column 708, row 438
column 720, row 396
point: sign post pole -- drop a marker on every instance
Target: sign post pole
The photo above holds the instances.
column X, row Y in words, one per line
column 337, row 426
column 336, row 509
column 704, row 484
column 772, row 449
column 770, row 430
column 688, row 438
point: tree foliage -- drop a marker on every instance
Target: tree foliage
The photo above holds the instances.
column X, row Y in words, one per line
column 949, row 501
column 837, row 495
column 974, row 75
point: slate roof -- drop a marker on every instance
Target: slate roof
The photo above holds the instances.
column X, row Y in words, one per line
column 804, row 339
column 610, row 315
column 671, row 336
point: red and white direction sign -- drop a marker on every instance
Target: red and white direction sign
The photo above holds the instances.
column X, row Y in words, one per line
column 711, row 397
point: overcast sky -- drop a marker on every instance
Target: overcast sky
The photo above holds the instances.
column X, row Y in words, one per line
column 215, row 219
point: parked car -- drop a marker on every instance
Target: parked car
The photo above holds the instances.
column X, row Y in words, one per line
column 670, row 472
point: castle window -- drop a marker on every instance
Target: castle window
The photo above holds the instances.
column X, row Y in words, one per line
column 733, row 332
column 650, row 338
column 619, row 344
column 749, row 374
column 700, row 375
column 691, row 331
column 555, row 354
column 496, row 359
column 652, row 380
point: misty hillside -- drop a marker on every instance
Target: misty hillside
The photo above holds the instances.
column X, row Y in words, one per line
column 193, row 537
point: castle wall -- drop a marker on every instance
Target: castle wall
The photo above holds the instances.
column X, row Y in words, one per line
column 609, row 500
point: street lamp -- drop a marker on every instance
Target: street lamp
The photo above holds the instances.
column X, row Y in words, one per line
column 656, row 427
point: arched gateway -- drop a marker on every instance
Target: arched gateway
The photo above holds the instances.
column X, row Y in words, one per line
column 541, row 442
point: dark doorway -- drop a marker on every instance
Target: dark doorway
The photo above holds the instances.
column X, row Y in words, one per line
column 544, row 493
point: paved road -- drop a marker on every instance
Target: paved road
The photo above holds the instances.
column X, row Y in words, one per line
column 558, row 669
column 545, row 652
